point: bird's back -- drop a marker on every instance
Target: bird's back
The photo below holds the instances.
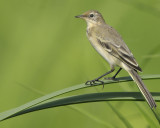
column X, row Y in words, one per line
column 112, row 41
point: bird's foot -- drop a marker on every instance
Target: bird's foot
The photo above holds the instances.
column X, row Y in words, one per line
column 93, row 82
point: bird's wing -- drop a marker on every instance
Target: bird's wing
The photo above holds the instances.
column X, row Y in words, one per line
column 120, row 51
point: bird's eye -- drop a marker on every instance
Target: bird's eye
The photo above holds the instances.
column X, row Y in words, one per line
column 91, row 15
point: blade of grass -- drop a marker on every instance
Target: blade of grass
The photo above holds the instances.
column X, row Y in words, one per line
column 92, row 97
column 11, row 112
column 77, row 109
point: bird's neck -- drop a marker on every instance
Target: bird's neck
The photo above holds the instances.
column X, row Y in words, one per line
column 90, row 25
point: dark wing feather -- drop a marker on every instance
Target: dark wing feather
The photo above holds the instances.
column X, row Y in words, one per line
column 121, row 52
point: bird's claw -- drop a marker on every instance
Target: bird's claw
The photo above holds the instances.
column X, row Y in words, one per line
column 93, row 82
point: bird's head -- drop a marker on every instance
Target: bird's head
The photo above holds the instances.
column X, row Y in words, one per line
column 92, row 17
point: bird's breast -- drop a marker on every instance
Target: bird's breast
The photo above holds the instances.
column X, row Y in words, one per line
column 94, row 42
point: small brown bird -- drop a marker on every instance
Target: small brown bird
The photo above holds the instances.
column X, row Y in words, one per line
column 109, row 44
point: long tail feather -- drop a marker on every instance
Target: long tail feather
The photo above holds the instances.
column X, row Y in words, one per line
column 147, row 95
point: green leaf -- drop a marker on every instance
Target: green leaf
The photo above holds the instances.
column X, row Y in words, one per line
column 9, row 113
column 92, row 97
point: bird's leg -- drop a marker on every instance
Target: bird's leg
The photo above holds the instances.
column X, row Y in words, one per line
column 113, row 77
column 92, row 82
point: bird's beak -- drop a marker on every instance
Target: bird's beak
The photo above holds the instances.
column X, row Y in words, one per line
column 79, row 16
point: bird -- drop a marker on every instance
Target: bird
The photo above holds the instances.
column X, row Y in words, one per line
column 110, row 45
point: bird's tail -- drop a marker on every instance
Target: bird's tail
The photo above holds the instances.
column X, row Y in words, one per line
column 147, row 95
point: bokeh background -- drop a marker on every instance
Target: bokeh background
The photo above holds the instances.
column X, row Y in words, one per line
column 43, row 48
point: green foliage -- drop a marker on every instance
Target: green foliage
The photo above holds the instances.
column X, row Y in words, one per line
column 45, row 48
column 33, row 105
column 43, row 103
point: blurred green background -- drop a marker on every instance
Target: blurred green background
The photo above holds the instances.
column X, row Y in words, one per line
column 43, row 48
